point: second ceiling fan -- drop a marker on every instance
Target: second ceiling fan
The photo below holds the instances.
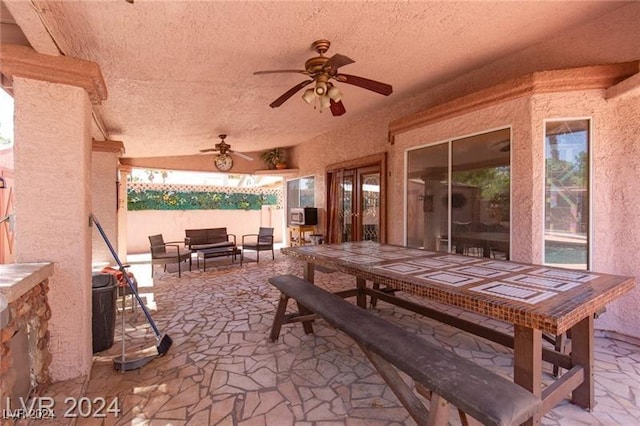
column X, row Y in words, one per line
column 322, row 70
column 223, row 160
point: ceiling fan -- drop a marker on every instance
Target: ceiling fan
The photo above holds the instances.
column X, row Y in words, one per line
column 223, row 161
column 322, row 70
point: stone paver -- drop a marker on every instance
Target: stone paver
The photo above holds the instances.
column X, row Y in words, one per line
column 221, row 369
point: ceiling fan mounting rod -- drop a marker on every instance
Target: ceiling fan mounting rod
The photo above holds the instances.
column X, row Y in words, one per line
column 321, row 46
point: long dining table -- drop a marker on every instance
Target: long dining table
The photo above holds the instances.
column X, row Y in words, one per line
column 535, row 299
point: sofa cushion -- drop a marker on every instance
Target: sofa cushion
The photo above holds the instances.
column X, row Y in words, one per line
column 212, row 245
column 200, row 239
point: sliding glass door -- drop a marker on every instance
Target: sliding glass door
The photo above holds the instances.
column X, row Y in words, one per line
column 458, row 195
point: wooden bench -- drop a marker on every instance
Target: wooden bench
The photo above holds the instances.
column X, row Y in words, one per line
column 482, row 394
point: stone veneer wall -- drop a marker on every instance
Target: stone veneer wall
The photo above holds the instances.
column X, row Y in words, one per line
column 30, row 313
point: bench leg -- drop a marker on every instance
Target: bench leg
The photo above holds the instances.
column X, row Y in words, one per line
column 406, row 396
column 307, row 326
column 465, row 419
column 438, row 411
column 559, row 345
column 278, row 319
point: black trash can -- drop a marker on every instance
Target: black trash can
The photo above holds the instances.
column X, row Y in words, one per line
column 104, row 288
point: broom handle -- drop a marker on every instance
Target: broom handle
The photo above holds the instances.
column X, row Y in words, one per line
column 126, row 276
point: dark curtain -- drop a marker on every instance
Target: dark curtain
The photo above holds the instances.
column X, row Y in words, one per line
column 335, row 207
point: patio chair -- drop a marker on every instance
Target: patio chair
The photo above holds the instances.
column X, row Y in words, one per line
column 167, row 252
column 459, row 228
column 261, row 241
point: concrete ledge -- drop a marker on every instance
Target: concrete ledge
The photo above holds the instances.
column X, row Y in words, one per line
column 17, row 279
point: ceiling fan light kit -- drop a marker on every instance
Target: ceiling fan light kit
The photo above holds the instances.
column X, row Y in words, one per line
column 321, row 69
column 309, row 95
column 334, row 94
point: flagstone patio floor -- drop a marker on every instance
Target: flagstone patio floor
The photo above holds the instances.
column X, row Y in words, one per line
column 221, row 369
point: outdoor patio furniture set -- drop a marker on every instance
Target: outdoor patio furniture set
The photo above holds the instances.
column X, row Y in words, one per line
column 535, row 299
column 208, row 243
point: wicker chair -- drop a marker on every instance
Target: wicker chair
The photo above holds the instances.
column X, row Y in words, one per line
column 168, row 252
column 261, row 241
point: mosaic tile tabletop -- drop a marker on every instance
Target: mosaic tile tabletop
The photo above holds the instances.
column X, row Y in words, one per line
column 551, row 299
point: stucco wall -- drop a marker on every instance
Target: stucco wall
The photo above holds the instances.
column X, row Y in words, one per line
column 172, row 224
column 52, row 206
column 104, row 166
column 615, row 150
column 617, row 217
column 514, row 114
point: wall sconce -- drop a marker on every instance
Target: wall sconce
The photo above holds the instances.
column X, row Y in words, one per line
column 3, row 183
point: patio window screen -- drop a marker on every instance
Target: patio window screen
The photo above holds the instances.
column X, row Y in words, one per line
column 567, row 198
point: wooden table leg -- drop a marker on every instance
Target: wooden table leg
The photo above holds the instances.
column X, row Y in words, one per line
column 309, row 272
column 361, row 297
column 527, row 362
column 582, row 354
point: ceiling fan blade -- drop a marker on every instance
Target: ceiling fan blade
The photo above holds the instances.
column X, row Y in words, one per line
column 241, row 155
column 365, row 83
column 289, row 93
column 209, row 150
column 337, row 108
column 337, row 61
column 280, row 71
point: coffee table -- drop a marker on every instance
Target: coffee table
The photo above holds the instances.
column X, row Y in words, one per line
column 205, row 254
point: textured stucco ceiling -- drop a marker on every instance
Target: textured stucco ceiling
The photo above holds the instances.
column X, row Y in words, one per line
column 179, row 73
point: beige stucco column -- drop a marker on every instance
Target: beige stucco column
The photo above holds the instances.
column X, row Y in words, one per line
column 125, row 172
column 104, row 192
column 53, row 115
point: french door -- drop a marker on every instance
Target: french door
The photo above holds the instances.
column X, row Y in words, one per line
column 356, row 203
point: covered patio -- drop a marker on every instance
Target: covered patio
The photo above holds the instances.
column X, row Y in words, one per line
column 515, row 120
column 222, row 370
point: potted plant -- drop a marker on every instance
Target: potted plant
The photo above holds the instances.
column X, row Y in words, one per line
column 274, row 158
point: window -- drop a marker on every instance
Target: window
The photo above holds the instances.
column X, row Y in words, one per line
column 301, row 193
column 567, row 198
column 461, row 188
